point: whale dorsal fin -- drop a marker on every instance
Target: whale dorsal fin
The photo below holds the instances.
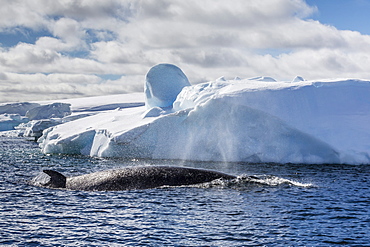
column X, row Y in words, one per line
column 57, row 180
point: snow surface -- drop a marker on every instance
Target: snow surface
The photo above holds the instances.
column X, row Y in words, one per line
column 49, row 113
column 254, row 120
column 102, row 103
column 17, row 108
column 298, row 79
column 54, row 110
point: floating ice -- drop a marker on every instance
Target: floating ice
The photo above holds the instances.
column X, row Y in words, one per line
column 9, row 121
column 35, row 128
column 163, row 83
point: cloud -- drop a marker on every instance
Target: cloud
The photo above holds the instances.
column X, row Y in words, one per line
column 14, row 86
column 24, row 55
column 207, row 39
column 69, row 30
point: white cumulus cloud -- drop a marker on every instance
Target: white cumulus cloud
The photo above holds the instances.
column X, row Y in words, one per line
column 76, row 43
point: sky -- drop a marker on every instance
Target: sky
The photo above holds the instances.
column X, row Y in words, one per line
column 76, row 48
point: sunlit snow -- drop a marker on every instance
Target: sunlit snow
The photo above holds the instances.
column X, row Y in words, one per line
column 254, row 120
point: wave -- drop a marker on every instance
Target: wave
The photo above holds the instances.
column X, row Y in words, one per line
column 246, row 182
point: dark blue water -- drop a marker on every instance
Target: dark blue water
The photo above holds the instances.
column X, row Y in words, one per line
column 297, row 205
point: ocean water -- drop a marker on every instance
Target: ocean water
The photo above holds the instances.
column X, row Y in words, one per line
column 290, row 205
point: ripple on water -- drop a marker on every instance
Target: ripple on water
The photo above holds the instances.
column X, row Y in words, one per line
column 285, row 205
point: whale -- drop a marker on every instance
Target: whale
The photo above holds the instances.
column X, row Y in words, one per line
column 132, row 178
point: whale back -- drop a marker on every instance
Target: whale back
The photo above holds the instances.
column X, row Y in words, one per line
column 57, row 180
column 130, row 178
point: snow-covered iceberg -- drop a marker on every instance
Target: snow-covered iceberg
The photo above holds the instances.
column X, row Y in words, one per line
column 13, row 114
column 54, row 110
column 237, row 120
column 33, row 130
column 20, row 108
column 9, row 121
column 30, row 119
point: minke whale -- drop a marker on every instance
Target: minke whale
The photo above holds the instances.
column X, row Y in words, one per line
column 132, row 178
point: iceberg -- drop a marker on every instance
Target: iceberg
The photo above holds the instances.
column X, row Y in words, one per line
column 54, row 110
column 251, row 120
column 257, row 119
column 33, row 129
column 17, row 108
column 10, row 121
column 13, row 114
column 30, row 119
